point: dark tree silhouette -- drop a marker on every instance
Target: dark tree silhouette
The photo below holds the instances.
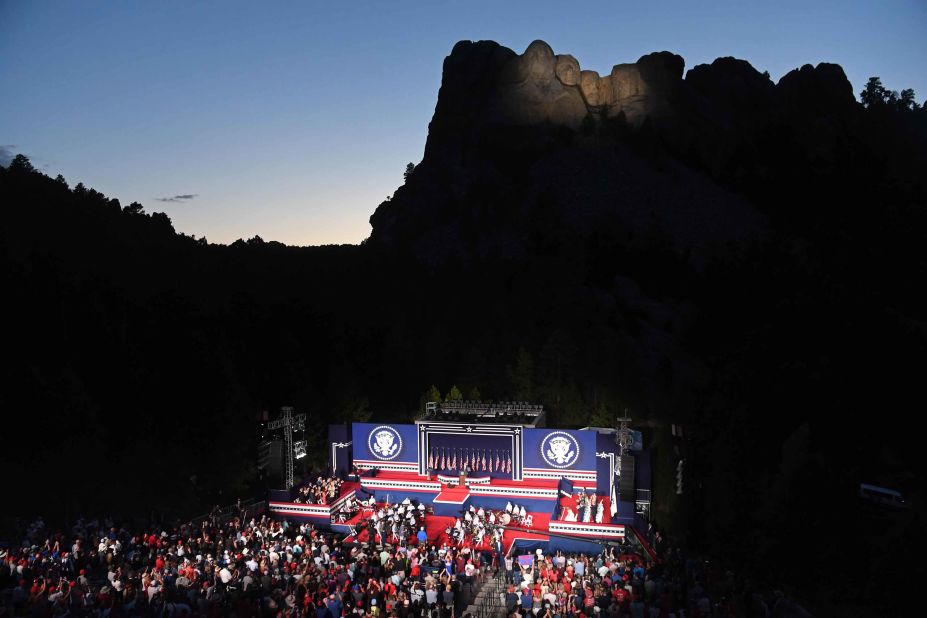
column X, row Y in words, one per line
column 583, row 277
column 21, row 163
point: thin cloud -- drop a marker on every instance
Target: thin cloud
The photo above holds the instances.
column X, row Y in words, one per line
column 7, row 152
column 186, row 197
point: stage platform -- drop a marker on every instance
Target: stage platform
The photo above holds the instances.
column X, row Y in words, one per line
column 319, row 514
column 436, row 526
column 541, row 498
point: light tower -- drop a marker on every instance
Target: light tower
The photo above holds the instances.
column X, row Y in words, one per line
column 623, row 437
column 288, row 422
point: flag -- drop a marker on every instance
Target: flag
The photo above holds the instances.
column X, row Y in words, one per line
column 454, row 461
column 484, row 460
column 473, row 460
column 613, row 507
column 431, row 458
column 509, row 466
column 442, row 459
column 497, row 461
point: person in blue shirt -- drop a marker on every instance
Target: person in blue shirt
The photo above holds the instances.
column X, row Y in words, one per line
column 526, row 600
column 334, row 605
column 421, row 536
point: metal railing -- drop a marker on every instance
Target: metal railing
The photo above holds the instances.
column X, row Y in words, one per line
column 249, row 508
column 489, row 600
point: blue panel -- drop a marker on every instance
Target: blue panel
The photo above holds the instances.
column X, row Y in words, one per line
column 527, row 546
column 398, row 495
column 605, row 443
column 385, row 443
column 339, row 453
column 637, row 440
column 557, row 450
column 453, row 449
column 450, row 509
column 574, row 546
column 534, row 505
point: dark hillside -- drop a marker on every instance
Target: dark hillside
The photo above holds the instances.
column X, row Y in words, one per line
column 739, row 256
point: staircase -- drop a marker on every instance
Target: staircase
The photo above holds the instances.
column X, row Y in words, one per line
column 489, row 600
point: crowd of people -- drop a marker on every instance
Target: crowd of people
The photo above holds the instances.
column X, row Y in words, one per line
column 396, row 523
column 476, row 527
column 322, row 490
column 262, row 567
column 255, row 567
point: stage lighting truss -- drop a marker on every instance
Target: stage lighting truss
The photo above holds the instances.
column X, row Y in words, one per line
column 499, row 409
column 623, row 436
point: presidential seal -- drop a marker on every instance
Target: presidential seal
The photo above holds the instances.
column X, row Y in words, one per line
column 559, row 449
column 384, row 442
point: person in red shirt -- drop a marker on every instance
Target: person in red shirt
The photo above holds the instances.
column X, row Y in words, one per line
column 621, row 595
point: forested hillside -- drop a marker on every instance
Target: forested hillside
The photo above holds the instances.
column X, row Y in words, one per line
column 748, row 263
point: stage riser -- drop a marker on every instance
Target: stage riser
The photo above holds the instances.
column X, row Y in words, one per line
column 340, row 528
column 498, row 504
column 450, row 509
column 573, row 546
column 544, row 505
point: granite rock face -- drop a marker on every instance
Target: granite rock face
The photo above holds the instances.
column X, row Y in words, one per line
column 539, row 86
column 644, row 147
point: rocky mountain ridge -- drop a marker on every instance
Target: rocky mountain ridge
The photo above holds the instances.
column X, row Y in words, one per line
column 643, row 146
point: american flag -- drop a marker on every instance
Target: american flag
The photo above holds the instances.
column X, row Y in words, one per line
column 454, row 461
column 484, row 460
column 509, row 465
column 431, row 458
column 613, row 506
column 497, row 461
column 442, row 460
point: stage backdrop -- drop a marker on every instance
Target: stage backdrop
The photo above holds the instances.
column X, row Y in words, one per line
column 552, row 453
column 391, row 447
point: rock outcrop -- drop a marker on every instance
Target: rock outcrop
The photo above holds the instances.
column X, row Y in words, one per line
column 540, row 86
column 644, row 148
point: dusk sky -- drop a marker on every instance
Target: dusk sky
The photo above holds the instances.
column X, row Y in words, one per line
column 292, row 121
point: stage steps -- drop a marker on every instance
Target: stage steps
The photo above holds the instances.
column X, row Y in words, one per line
column 452, row 501
column 489, row 601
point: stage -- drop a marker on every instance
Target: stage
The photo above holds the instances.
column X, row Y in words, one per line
column 542, row 500
column 466, row 456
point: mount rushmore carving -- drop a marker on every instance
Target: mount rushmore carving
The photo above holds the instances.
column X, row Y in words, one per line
column 540, row 86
